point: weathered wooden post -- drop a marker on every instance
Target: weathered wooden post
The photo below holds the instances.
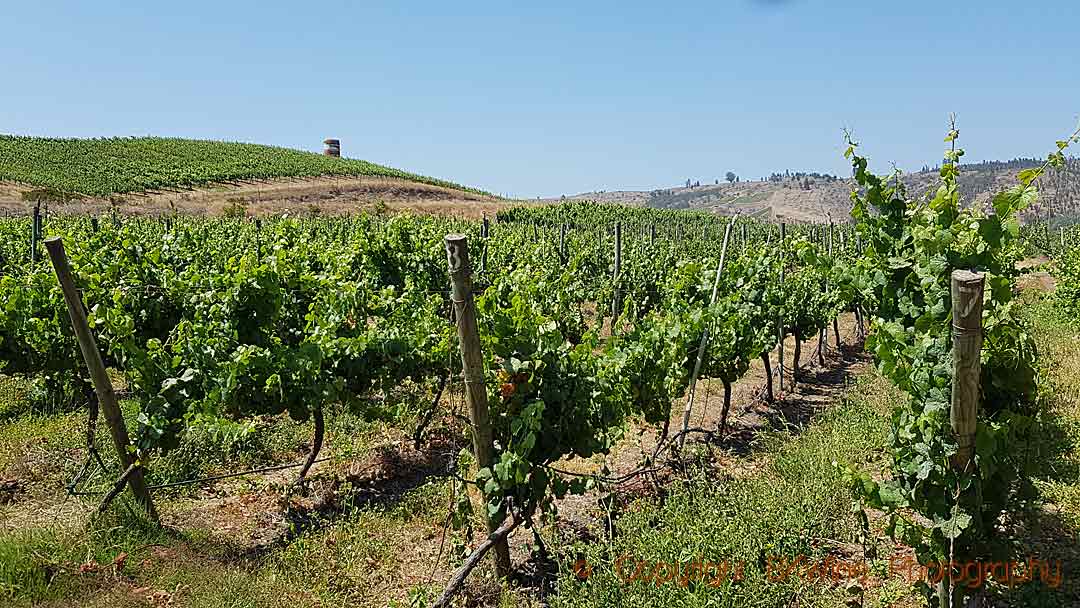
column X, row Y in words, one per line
column 102, row 384
column 485, row 230
column 704, row 344
column 616, row 302
column 835, row 321
column 35, row 232
column 258, row 239
column 967, row 296
column 783, row 263
column 472, row 363
column 652, row 234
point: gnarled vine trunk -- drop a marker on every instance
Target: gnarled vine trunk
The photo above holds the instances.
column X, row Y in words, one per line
column 768, row 376
column 795, row 362
column 316, row 444
column 727, row 406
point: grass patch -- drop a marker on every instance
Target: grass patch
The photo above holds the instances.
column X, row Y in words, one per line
column 359, row 549
column 796, row 505
column 32, row 447
column 359, row 556
column 1050, row 527
column 1058, row 339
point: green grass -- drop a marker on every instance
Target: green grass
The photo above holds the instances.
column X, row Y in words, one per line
column 357, row 552
column 1058, row 339
column 1051, row 528
column 102, row 167
column 356, row 557
column 796, row 499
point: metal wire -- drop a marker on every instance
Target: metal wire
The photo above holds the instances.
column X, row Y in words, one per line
column 188, row 482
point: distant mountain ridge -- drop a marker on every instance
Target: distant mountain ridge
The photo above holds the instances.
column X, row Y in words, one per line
column 815, row 197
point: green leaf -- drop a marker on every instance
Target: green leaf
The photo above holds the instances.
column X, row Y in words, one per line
column 955, row 526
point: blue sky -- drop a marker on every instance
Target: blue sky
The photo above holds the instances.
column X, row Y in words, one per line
column 545, row 98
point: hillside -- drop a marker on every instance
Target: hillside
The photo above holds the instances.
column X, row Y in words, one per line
column 810, row 197
column 100, row 167
column 154, row 175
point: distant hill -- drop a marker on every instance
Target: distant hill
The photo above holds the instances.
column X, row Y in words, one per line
column 809, row 197
column 107, row 166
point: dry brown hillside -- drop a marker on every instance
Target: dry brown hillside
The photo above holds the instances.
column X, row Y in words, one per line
column 306, row 196
column 808, row 198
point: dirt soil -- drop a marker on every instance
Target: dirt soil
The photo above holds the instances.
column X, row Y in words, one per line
column 309, row 196
column 792, row 409
column 1035, row 274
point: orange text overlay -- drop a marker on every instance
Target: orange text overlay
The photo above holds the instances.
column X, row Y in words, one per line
column 972, row 574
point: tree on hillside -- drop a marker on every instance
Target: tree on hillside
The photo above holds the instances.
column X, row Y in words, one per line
column 730, row 177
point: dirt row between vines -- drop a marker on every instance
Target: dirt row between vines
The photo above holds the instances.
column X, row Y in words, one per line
column 750, row 414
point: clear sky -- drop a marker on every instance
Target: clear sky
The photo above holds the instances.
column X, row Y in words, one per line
column 553, row 97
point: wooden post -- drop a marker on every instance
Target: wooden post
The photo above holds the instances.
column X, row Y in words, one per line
column 102, row 385
column 616, row 302
column 783, row 251
column 835, row 321
column 652, row 234
column 472, row 363
column 967, row 296
column 823, row 335
column 823, row 339
column 485, row 231
column 258, row 240
column 34, row 232
column 704, row 344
